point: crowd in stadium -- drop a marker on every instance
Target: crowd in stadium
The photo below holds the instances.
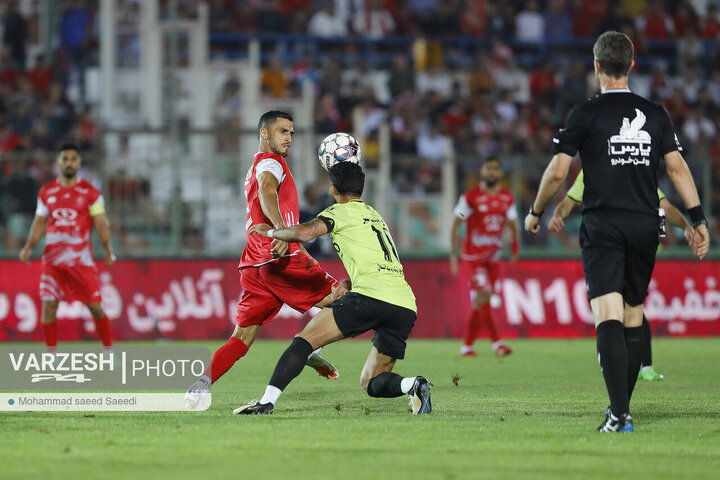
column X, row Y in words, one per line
column 507, row 97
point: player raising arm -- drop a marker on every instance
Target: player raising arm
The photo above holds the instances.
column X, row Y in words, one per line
column 381, row 299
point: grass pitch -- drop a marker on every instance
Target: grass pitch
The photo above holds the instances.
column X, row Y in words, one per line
column 530, row 415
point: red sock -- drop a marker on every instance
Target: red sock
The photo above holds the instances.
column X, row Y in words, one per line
column 488, row 321
column 226, row 356
column 50, row 333
column 473, row 325
column 102, row 326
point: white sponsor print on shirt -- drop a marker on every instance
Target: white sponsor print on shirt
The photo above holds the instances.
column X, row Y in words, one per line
column 632, row 145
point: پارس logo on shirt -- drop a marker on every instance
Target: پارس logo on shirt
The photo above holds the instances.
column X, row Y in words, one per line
column 632, row 145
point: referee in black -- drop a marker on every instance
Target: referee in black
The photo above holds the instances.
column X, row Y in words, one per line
column 621, row 138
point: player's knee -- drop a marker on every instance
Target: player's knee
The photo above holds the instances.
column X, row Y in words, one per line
column 371, row 387
column 96, row 310
column 365, row 381
column 47, row 314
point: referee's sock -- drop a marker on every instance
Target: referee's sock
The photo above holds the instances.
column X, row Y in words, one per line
column 613, row 357
column 634, row 342
column 647, row 346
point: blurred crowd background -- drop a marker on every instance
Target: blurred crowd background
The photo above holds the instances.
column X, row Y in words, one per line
column 496, row 77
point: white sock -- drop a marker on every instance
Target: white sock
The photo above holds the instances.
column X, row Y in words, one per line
column 52, row 349
column 497, row 345
column 407, row 383
column 466, row 349
column 271, row 395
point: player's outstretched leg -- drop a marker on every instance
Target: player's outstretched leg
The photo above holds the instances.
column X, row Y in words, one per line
column 322, row 366
column 288, row 367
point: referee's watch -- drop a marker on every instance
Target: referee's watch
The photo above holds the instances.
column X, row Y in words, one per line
column 534, row 213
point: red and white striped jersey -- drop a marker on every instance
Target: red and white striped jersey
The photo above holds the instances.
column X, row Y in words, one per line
column 69, row 211
column 485, row 217
column 257, row 250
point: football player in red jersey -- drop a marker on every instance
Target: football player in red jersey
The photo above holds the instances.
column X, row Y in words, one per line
column 273, row 272
column 486, row 209
column 67, row 209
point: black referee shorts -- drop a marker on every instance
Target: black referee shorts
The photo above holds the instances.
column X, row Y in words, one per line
column 356, row 314
column 618, row 253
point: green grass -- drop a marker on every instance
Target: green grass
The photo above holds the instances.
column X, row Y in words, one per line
column 530, row 415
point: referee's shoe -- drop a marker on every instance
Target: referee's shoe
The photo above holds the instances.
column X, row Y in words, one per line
column 255, row 408
column 612, row 423
column 420, row 396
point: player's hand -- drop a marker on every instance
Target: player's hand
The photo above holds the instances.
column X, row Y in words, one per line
column 280, row 248
column 688, row 235
column 532, row 224
column 260, row 229
column 556, row 224
column 454, row 265
column 24, row 255
column 341, row 289
column 110, row 258
column 700, row 241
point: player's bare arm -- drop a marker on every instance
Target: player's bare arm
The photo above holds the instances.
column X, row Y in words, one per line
column 551, row 182
column 455, row 245
column 299, row 233
column 515, row 242
column 37, row 230
column 676, row 218
column 103, row 230
column 681, row 177
column 267, row 194
column 561, row 212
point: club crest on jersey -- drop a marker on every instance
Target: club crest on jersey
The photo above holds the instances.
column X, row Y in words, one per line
column 632, row 144
column 64, row 217
column 52, row 199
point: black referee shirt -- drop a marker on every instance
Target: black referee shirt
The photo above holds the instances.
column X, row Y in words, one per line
column 621, row 138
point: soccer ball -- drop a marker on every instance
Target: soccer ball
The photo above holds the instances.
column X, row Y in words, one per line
column 339, row 147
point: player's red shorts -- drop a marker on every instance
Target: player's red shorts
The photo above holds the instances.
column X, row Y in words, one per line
column 295, row 280
column 483, row 275
column 69, row 283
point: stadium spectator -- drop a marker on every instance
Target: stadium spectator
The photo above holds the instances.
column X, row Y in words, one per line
column 273, row 81
column 326, row 23
column 15, row 35
column 373, row 21
column 40, row 75
column 558, row 22
column 530, row 24
column 75, row 28
column 656, row 24
column 19, row 190
column 711, row 23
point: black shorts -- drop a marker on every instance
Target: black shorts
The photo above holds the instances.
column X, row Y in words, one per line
column 618, row 253
column 356, row 313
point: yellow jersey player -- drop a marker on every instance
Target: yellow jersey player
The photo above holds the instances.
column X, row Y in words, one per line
column 380, row 300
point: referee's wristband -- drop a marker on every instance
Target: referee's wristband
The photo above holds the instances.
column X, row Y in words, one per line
column 696, row 216
column 271, row 232
column 534, row 213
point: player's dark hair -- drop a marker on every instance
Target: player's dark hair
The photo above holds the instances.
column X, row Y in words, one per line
column 68, row 146
column 348, row 178
column 614, row 51
column 492, row 158
column 268, row 118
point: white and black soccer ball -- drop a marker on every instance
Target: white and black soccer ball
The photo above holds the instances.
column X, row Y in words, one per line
column 339, row 147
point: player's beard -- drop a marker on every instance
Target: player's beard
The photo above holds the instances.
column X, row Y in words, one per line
column 491, row 182
column 274, row 149
column 69, row 173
